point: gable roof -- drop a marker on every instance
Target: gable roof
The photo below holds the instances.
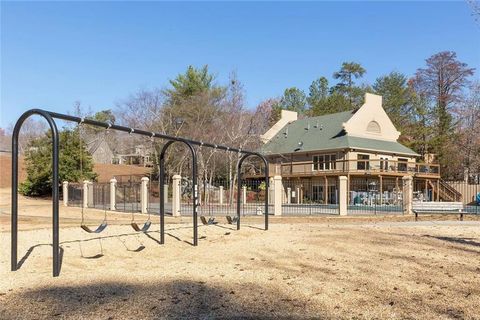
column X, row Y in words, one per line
column 324, row 133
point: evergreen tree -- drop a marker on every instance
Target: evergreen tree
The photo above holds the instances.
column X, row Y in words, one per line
column 293, row 99
column 347, row 73
column 396, row 97
column 75, row 163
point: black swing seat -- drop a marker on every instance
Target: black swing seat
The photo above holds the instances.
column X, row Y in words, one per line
column 209, row 222
column 145, row 227
column 99, row 229
column 231, row 220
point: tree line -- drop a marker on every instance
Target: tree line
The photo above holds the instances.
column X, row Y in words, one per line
column 437, row 110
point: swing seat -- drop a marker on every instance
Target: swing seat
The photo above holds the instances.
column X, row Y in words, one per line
column 231, row 220
column 99, row 229
column 209, row 222
column 145, row 227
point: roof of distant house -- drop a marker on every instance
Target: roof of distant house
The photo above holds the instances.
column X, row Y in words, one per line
column 325, row 133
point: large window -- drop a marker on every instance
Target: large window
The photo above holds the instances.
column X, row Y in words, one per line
column 402, row 164
column 324, row 162
column 362, row 162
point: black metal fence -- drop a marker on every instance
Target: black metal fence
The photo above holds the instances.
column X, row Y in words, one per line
column 98, row 195
column 310, row 196
column 372, row 195
column 218, row 197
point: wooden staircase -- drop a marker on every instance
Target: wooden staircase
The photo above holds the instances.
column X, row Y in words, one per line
column 445, row 191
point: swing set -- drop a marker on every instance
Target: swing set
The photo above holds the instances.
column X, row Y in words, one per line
column 50, row 116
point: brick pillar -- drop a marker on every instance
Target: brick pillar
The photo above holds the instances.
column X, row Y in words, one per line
column 113, row 193
column 176, row 194
column 220, row 195
column 342, row 195
column 144, row 194
column 277, row 195
column 407, row 194
column 165, row 193
column 65, row 193
column 85, row 193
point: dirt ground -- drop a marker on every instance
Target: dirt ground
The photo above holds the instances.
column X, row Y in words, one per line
column 335, row 267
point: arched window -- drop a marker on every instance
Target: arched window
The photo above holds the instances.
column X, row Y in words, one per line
column 373, row 127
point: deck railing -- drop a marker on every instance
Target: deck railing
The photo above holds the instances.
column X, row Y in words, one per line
column 309, row 168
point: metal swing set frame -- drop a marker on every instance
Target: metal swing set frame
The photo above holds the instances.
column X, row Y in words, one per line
column 50, row 116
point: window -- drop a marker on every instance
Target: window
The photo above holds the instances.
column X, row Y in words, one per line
column 402, row 164
column 324, row 162
column 373, row 127
column 317, row 193
column 384, row 164
column 362, row 162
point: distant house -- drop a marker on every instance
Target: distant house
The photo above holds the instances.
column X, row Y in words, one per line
column 138, row 155
column 360, row 144
column 100, row 151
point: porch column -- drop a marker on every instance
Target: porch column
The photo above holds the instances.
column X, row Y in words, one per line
column 407, row 195
column 65, row 193
column 277, row 195
column 325, row 192
column 176, row 194
column 381, row 189
column 342, row 195
column 289, row 195
column 298, row 195
column 113, row 187
column 244, row 194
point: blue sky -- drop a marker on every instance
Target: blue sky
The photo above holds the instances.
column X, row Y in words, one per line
column 56, row 53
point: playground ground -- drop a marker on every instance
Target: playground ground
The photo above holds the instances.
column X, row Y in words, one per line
column 308, row 267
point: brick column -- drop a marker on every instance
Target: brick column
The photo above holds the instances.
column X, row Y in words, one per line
column 220, row 195
column 176, row 194
column 277, row 195
column 342, row 195
column 144, row 194
column 113, row 193
column 407, row 194
column 65, row 193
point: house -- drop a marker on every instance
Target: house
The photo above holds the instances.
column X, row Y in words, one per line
column 360, row 144
column 137, row 155
column 100, row 151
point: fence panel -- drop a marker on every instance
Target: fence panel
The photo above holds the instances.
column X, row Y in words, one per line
column 310, row 196
column 218, row 197
column 371, row 196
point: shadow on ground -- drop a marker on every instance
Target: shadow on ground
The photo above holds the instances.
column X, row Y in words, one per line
column 465, row 241
column 177, row 299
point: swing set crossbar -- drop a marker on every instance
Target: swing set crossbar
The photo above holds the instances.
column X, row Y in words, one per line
column 50, row 116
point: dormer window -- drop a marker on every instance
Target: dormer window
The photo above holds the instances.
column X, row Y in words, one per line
column 373, row 127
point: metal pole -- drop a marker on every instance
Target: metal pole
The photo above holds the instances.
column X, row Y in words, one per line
column 55, row 191
column 162, row 200
column 239, row 187
column 194, row 180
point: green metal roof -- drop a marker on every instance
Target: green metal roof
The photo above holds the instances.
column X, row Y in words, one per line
column 325, row 133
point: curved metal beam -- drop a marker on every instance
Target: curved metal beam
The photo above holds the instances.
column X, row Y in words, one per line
column 194, row 191
column 55, row 186
column 239, row 185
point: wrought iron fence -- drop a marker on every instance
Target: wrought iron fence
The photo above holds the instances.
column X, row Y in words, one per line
column 218, row 197
column 372, row 195
column 310, row 196
column 127, row 197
